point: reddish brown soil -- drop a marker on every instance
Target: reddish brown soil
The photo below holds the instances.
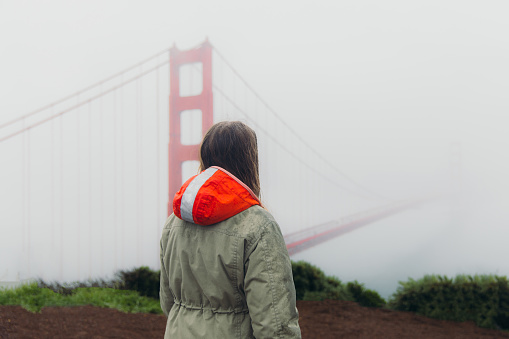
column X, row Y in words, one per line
column 346, row 319
column 328, row 319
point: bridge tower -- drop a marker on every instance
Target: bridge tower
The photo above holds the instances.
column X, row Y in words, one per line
column 179, row 152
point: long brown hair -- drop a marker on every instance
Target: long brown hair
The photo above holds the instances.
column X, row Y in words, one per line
column 232, row 145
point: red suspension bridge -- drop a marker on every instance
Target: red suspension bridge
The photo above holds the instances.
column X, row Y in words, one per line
column 84, row 177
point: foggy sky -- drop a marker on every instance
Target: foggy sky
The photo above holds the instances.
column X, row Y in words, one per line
column 383, row 89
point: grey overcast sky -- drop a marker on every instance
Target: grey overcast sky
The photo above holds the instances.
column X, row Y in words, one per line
column 370, row 73
column 383, row 88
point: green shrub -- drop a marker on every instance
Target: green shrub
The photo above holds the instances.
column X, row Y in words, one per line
column 363, row 296
column 141, row 279
column 307, row 278
column 312, row 284
column 483, row 299
column 69, row 288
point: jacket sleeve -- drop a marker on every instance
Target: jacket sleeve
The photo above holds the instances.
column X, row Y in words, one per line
column 165, row 295
column 269, row 287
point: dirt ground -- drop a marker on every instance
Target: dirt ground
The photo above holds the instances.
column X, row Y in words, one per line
column 327, row 319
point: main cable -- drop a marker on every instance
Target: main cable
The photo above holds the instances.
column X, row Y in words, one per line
column 318, row 154
column 271, row 137
column 111, row 77
column 69, row 109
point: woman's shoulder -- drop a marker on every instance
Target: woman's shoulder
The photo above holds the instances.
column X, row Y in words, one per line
column 261, row 213
column 252, row 222
column 172, row 221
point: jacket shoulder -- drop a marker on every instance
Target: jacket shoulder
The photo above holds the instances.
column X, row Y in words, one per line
column 251, row 222
column 171, row 221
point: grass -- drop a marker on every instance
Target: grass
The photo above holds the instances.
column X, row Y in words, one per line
column 33, row 298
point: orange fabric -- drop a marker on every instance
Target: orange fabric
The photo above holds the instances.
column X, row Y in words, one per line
column 178, row 197
column 218, row 199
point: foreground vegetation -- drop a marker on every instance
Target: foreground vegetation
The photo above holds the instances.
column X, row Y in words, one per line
column 134, row 291
column 482, row 299
column 312, row 284
column 33, row 298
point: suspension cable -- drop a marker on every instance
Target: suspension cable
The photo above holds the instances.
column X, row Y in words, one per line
column 78, row 195
column 111, row 77
column 95, row 97
column 275, row 140
column 318, row 154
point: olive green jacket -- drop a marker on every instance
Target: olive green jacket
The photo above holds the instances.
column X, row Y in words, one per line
column 232, row 279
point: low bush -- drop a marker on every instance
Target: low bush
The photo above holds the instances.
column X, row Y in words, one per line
column 312, row 284
column 142, row 279
column 33, row 298
column 483, row 299
column 307, row 279
column 363, row 296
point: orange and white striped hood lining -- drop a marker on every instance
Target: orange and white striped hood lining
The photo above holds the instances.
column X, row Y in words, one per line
column 212, row 196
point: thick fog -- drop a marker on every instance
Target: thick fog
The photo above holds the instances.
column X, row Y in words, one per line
column 406, row 98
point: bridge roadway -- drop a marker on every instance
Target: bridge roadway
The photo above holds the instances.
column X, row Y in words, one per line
column 301, row 240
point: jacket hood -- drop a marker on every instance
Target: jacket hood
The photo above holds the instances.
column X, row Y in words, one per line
column 212, row 196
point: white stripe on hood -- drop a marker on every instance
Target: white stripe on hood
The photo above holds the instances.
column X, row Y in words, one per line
column 187, row 203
